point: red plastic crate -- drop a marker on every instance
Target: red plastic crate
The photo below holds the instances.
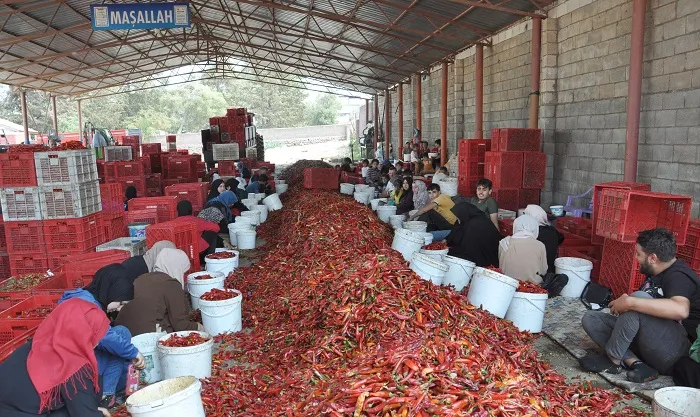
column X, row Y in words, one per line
column 505, row 226
column 574, row 224
column 690, row 251
column 123, row 170
column 321, row 178
column 270, row 166
column 597, row 191
column 156, row 164
column 473, row 150
column 114, row 228
column 350, row 178
column 166, row 206
column 249, row 163
column 146, row 164
column 495, row 140
column 471, row 170
column 18, row 337
column 528, row 196
column 149, row 148
column 58, row 284
column 149, row 216
column 565, row 251
column 227, row 168
column 619, row 268
column 80, row 268
column 24, row 236
column 194, row 192
column 31, row 303
column 131, row 140
column 506, row 199
column 3, row 242
column 504, row 169
column 182, row 166
column 73, row 235
column 574, row 241
column 28, row 263
column 534, row 169
column 11, row 329
column 624, row 213
column 112, row 196
column 154, row 182
column 139, row 184
column 183, row 233
column 17, row 170
column 171, row 138
column 4, row 265
column 466, row 187
column 519, row 139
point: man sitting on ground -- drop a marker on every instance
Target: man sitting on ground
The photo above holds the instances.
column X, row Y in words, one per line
column 651, row 329
column 484, row 201
column 441, row 174
column 437, row 213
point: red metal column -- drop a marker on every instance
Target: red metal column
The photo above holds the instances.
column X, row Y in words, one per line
column 25, row 122
column 387, row 123
column 479, row 99
column 400, row 98
column 53, row 112
column 535, row 77
column 634, row 90
column 443, row 115
column 419, row 99
column 80, row 121
column 376, row 121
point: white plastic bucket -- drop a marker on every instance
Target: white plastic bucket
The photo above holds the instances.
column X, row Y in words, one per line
column 273, row 201
column 448, row 186
column 428, row 268
column 385, row 212
column 234, row 227
column 416, row 226
column 197, row 287
column 222, row 316
column 176, row 397
column 253, row 215
column 407, row 243
column 526, row 311
column 436, row 254
column 396, row 220
column 361, row 187
column 281, row 188
column 428, row 237
column 362, row 197
column 263, row 212
column 676, row 402
column 138, row 229
column 278, row 182
column 147, row 344
column 225, row 266
column 491, row 291
column 460, row 272
column 246, row 239
column 189, row 360
column 579, row 272
column 249, row 202
column 375, row 202
column 260, row 196
column 347, row 189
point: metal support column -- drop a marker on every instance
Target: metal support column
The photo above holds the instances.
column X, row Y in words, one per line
column 400, row 98
column 25, row 121
column 419, row 101
column 80, row 121
column 387, row 123
column 634, row 90
column 443, row 115
column 535, row 76
column 479, row 96
column 376, row 121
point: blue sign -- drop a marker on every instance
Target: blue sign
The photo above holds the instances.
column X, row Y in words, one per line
column 140, row 16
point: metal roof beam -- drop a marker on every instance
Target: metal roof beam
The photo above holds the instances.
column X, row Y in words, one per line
column 487, row 5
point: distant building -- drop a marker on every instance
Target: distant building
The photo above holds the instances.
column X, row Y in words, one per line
column 12, row 133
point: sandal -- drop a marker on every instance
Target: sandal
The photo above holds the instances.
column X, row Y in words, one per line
column 639, row 372
column 594, row 362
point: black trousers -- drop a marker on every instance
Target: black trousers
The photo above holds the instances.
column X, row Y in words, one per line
column 214, row 241
column 435, row 221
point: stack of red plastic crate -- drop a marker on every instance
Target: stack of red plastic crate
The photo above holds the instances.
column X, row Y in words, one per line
column 690, row 251
column 113, row 217
column 620, row 212
column 135, row 142
column 194, row 192
column 516, row 167
column 165, row 208
column 59, row 216
column 323, row 178
column 183, row 233
column 471, row 164
column 4, row 257
column 230, row 128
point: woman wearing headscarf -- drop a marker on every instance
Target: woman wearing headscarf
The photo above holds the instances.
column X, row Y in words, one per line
column 56, row 373
column 522, row 256
column 129, row 193
column 473, row 236
column 110, row 290
column 209, row 238
column 548, row 235
column 420, row 195
column 160, row 297
column 224, row 202
column 403, row 196
column 217, row 187
column 142, row 264
column 232, row 184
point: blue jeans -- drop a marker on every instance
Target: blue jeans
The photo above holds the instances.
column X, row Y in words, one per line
column 112, row 368
column 253, row 187
column 440, row 235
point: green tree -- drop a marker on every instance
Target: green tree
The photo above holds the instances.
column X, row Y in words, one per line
column 324, row 111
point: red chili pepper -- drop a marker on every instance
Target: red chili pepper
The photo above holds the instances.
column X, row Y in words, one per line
column 70, row 146
column 218, row 295
column 192, row 339
column 27, row 148
column 436, row 246
column 221, row 255
column 203, row 277
column 531, row 288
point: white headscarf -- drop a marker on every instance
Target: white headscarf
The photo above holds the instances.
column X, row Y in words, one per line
column 524, row 227
column 152, row 254
column 173, row 262
column 538, row 213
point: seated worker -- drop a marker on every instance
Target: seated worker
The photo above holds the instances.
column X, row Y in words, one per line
column 364, row 169
column 261, row 171
column 129, row 193
column 110, row 290
column 346, row 165
column 437, row 213
column 420, row 195
column 548, row 235
column 522, row 256
column 399, row 166
column 651, row 329
column 217, row 187
column 403, row 195
column 427, row 166
column 232, row 184
column 209, row 231
column 160, row 298
column 374, row 176
column 56, row 373
column 223, row 203
column 385, row 186
column 441, row 174
column 243, row 170
column 484, row 201
column 261, row 185
column 473, row 236
column 141, row 264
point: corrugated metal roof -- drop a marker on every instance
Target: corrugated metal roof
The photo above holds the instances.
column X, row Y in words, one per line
column 360, row 45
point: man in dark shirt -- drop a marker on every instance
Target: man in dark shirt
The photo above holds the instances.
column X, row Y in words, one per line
column 652, row 328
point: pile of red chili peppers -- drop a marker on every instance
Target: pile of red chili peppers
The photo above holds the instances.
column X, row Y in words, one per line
column 192, row 339
column 218, row 295
column 531, row 288
column 27, row 148
column 436, row 246
column 294, row 174
column 70, row 146
column 207, row 276
column 221, row 255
